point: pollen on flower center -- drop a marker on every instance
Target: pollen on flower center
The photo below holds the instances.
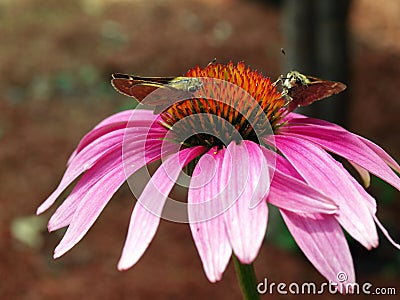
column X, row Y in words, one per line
column 233, row 103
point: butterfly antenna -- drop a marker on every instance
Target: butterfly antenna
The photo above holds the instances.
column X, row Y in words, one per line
column 212, row 62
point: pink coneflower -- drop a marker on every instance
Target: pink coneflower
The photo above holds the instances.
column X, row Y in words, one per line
column 245, row 149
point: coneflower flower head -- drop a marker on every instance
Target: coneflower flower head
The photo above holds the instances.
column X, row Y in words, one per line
column 244, row 148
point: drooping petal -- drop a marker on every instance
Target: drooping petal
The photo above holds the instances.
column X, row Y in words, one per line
column 145, row 217
column 144, row 120
column 386, row 233
column 136, row 160
column 322, row 241
column 381, row 153
column 90, row 208
column 142, row 117
column 283, row 165
column 293, row 117
column 92, row 152
column 93, row 135
column 245, row 174
column 64, row 213
column 205, row 215
column 138, row 118
column 321, row 171
column 348, row 145
column 369, row 201
column 292, row 194
column 299, row 119
column 83, row 161
column 104, row 182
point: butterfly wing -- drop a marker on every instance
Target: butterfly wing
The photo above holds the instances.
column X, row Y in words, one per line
column 162, row 91
column 316, row 89
column 141, row 87
column 137, row 87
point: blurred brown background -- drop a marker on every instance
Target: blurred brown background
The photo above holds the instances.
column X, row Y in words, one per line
column 56, row 58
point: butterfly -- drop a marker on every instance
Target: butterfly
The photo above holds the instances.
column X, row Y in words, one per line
column 302, row 90
column 167, row 90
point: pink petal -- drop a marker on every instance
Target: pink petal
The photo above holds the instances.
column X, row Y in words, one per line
column 294, row 117
column 206, row 223
column 124, row 116
column 143, row 119
column 322, row 241
column 94, row 151
column 386, row 233
column 352, row 147
column 298, row 119
column 292, row 194
column 369, row 201
column 137, row 159
column 84, row 161
column 282, row 164
column 95, row 134
column 321, row 171
column 90, row 208
column 146, row 214
column 99, row 142
column 99, row 187
column 246, row 177
column 381, row 153
column 64, row 213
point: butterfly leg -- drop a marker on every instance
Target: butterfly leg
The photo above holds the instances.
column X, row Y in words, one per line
column 280, row 78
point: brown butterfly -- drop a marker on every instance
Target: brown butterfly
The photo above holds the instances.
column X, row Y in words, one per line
column 167, row 90
column 303, row 90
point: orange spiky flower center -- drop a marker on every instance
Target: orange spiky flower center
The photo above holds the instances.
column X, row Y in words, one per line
column 234, row 103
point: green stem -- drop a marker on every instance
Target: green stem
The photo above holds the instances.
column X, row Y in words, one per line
column 247, row 279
